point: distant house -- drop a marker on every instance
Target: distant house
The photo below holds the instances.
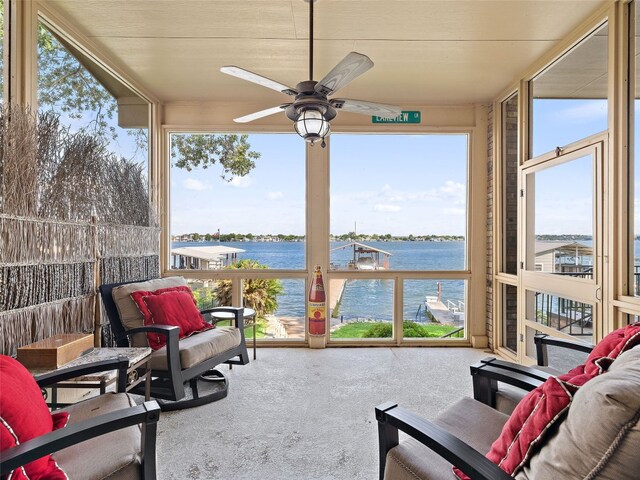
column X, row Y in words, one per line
column 563, row 257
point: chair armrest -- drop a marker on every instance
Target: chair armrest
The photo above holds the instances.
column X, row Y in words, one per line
column 166, row 330
column 489, row 371
column 147, row 414
column 173, row 337
column 392, row 418
column 121, row 364
column 238, row 314
column 542, row 340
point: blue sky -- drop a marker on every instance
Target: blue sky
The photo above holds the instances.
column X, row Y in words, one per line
column 398, row 184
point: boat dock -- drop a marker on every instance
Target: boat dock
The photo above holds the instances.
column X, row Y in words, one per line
column 336, row 289
column 439, row 312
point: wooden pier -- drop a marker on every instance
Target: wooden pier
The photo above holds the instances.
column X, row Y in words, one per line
column 336, row 289
column 441, row 313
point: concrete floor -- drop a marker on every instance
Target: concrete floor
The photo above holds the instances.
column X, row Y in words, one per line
column 308, row 414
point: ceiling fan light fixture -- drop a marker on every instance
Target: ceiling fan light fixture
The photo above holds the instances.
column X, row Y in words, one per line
column 311, row 124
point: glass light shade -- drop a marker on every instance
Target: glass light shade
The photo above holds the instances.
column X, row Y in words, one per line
column 311, row 125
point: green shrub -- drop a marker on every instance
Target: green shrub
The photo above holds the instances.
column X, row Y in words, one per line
column 379, row 330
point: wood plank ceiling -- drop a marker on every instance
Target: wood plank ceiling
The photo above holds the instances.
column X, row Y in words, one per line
column 426, row 52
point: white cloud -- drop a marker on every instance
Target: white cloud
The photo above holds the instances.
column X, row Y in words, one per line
column 453, row 188
column 240, row 182
column 386, row 208
column 197, row 185
column 275, row 195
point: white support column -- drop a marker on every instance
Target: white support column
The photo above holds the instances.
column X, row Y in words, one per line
column 317, row 159
column 477, row 205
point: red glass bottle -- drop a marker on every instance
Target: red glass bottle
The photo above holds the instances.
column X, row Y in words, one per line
column 317, row 304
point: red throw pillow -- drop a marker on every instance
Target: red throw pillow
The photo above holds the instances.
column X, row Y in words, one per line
column 24, row 415
column 173, row 308
column 137, row 298
column 157, row 341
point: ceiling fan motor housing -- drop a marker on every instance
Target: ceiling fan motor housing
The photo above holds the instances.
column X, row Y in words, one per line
column 308, row 98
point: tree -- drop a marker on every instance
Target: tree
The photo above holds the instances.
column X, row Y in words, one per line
column 261, row 294
column 66, row 86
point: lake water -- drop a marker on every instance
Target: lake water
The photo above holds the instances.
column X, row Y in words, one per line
column 366, row 298
column 362, row 298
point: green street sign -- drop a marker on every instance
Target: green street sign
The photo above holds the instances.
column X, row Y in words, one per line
column 407, row 116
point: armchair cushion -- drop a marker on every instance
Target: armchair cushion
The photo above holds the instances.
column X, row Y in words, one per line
column 198, row 348
column 24, row 415
column 130, row 315
column 411, row 459
column 170, row 307
column 116, row 453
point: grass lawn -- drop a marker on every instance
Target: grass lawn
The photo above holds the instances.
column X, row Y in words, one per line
column 359, row 330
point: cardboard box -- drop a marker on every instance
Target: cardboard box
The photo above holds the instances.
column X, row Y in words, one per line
column 53, row 352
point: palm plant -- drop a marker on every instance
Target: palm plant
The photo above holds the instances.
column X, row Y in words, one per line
column 260, row 294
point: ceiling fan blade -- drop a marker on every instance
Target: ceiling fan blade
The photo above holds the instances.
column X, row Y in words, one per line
column 350, row 68
column 259, row 79
column 366, row 108
column 261, row 113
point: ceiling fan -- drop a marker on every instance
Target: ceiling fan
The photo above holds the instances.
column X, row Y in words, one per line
column 311, row 111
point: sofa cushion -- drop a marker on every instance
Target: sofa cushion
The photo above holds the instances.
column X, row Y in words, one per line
column 172, row 308
column 130, row 315
column 24, row 415
column 600, row 436
column 113, row 454
column 473, row 422
column 199, row 347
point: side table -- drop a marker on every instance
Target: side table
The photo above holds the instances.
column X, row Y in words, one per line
column 137, row 372
column 249, row 313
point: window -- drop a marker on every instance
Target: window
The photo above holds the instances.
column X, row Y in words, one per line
column 509, row 239
column 235, row 223
column 567, row 316
column 509, row 303
column 569, row 99
column 563, row 218
column 398, row 203
column 85, row 99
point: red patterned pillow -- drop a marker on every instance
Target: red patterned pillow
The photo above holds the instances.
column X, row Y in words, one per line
column 173, row 308
column 24, row 415
column 157, row 341
column 137, row 298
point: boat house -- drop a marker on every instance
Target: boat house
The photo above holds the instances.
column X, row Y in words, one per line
column 204, row 258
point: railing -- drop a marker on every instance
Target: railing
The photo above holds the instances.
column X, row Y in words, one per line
column 456, row 306
column 568, row 316
column 453, row 332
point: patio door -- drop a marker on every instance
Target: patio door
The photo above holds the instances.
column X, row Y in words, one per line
column 561, row 248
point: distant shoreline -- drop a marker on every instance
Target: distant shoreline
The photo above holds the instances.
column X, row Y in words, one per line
column 237, row 237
